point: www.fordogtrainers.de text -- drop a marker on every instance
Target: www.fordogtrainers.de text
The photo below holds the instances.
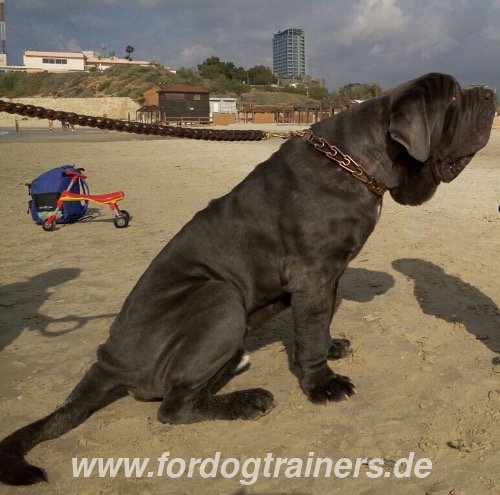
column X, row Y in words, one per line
column 250, row 470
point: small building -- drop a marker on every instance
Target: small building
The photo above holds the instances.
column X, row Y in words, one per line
column 340, row 102
column 53, row 61
column 184, row 104
column 260, row 114
column 94, row 61
column 223, row 111
column 148, row 114
column 222, row 105
column 307, row 113
column 35, row 61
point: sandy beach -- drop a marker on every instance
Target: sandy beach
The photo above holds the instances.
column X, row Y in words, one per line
column 419, row 304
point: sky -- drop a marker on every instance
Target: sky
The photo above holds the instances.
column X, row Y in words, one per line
column 347, row 41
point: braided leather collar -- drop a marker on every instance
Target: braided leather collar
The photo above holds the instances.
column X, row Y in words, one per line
column 344, row 161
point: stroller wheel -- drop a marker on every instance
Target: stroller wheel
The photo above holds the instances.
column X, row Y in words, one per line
column 48, row 226
column 121, row 222
column 126, row 214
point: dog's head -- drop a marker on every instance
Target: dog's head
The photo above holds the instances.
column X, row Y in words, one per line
column 440, row 127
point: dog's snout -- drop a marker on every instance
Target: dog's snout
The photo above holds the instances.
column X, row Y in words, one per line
column 481, row 93
column 488, row 94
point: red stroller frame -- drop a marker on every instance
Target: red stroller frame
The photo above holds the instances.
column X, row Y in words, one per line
column 122, row 217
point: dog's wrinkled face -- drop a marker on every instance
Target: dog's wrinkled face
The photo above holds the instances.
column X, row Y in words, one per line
column 440, row 127
column 466, row 129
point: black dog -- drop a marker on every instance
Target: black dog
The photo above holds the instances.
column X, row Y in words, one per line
column 282, row 237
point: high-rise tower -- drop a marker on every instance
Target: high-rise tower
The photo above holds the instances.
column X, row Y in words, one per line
column 289, row 53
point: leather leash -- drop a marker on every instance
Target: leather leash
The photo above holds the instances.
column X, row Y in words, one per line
column 330, row 151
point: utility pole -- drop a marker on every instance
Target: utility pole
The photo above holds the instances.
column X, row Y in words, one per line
column 3, row 47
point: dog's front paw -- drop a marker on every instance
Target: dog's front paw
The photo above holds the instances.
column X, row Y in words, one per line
column 326, row 386
column 339, row 348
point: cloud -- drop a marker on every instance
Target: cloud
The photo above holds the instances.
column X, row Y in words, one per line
column 491, row 33
column 373, row 20
column 384, row 41
column 70, row 45
column 193, row 55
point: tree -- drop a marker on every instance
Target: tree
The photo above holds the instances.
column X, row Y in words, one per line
column 129, row 49
column 317, row 93
column 212, row 67
column 358, row 91
column 234, row 73
column 189, row 76
column 261, row 75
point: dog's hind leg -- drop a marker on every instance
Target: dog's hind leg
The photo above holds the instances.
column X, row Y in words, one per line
column 85, row 400
column 242, row 364
column 181, row 407
column 206, row 358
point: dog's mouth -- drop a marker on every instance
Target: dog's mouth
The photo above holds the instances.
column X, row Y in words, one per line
column 450, row 169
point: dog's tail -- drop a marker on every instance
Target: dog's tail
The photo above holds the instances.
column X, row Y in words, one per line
column 83, row 401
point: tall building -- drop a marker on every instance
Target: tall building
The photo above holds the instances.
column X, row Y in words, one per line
column 289, row 53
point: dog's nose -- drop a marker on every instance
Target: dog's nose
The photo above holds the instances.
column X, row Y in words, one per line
column 488, row 94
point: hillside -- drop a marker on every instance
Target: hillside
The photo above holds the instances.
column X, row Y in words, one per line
column 141, row 84
column 130, row 81
column 138, row 83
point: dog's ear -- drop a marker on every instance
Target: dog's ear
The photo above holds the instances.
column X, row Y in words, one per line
column 409, row 125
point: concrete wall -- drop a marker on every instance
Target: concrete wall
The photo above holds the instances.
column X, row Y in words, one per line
column 263, row 118
column 223, row 118
column 113, row 107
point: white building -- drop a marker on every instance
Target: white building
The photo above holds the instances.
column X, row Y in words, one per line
column 53, row 61
column 74, row 61
column 222, row 105
column 93, row 59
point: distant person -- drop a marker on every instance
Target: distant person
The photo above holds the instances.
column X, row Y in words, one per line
column 16, row 124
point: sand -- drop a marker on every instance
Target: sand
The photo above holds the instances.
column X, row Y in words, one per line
column 419, row 303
